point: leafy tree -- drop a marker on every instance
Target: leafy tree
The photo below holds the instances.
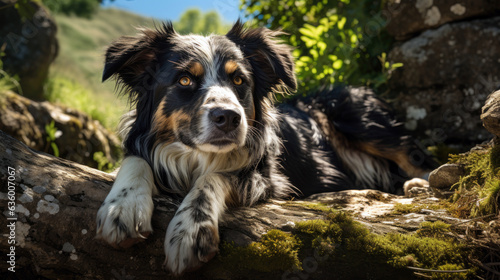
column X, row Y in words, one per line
column 336, row 41
column 212, row 23
column 194, row 21
column 190, row 22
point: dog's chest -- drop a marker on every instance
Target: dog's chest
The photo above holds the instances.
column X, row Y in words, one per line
column 184, row 166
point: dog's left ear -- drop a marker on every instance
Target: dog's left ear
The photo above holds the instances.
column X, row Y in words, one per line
column 272, row 62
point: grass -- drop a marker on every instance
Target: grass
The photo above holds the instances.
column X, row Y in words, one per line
column 76, row 74
column 63, row 91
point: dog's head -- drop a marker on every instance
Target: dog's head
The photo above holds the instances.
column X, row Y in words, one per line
column 206, row 92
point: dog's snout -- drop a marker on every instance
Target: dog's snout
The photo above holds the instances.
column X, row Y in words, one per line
column 224, row 119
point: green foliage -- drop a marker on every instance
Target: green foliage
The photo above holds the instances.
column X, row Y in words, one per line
column 80, row 8
column 25, row 9
column 477, row 193
column 102, row 162
column 51, row 131
column 338, row 41
column 277, row 250
column 194, row 21
column 8, row 82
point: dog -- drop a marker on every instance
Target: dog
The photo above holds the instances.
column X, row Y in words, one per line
column 204, row 128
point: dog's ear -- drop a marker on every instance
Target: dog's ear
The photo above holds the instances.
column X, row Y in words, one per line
column 129, row 57
column 272, row 62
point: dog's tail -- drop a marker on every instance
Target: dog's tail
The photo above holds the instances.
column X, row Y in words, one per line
column 371, row 143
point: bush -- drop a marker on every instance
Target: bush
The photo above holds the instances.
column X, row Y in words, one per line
column 339, row 41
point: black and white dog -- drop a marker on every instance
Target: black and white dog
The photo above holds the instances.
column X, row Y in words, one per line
column 204, row 128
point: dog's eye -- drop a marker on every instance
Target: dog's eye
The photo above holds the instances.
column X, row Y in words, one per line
column 185, row 81
column 237, row 80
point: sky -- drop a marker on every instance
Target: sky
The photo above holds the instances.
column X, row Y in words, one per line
column 172, row 9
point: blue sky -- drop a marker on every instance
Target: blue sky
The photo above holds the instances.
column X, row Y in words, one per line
column 172, row 9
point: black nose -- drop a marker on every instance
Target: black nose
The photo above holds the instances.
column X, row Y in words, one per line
column 225, row 120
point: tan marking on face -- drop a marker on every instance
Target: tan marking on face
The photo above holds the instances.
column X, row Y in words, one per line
column 230, row 67
column 160, row 122
column 196, row 69
column 178, row 116
column 166, row 127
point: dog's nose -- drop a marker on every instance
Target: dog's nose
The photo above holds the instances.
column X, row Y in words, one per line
column 224, row 119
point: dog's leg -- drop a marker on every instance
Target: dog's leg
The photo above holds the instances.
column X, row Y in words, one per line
column 192, row 236
column 125, row 216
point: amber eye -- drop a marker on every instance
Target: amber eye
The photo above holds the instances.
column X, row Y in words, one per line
column 185, row 81
column 237, row 80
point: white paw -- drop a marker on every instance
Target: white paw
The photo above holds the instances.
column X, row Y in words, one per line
column 189, row 244
column 416, row 187
column 125, row 216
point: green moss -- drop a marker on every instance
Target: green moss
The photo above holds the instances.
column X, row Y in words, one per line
column 495, row 158
column 477, row 193
column 277, row 250
column 401, row 209
column 435, row 229
column 320, row 207
column 338, row 240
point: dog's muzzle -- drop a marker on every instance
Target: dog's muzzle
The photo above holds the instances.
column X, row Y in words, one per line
column 225, row 123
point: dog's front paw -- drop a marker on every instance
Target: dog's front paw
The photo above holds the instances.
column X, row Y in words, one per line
column 189, row 244
column 125, row 217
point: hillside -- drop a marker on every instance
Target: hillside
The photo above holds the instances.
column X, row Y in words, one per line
column 78, row 68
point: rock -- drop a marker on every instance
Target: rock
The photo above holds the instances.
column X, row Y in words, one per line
column 441, row 179
column 79, row 137
column 30, row 45
column 491, row 114
column 407, row 17
column 446, row 76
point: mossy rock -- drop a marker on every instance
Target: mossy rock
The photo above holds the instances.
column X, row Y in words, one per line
column 478, row 192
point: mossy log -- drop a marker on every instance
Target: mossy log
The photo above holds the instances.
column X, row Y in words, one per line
column 56, row 202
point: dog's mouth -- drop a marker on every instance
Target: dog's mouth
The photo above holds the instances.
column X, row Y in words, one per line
column 221, row 142
column 219, row 145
